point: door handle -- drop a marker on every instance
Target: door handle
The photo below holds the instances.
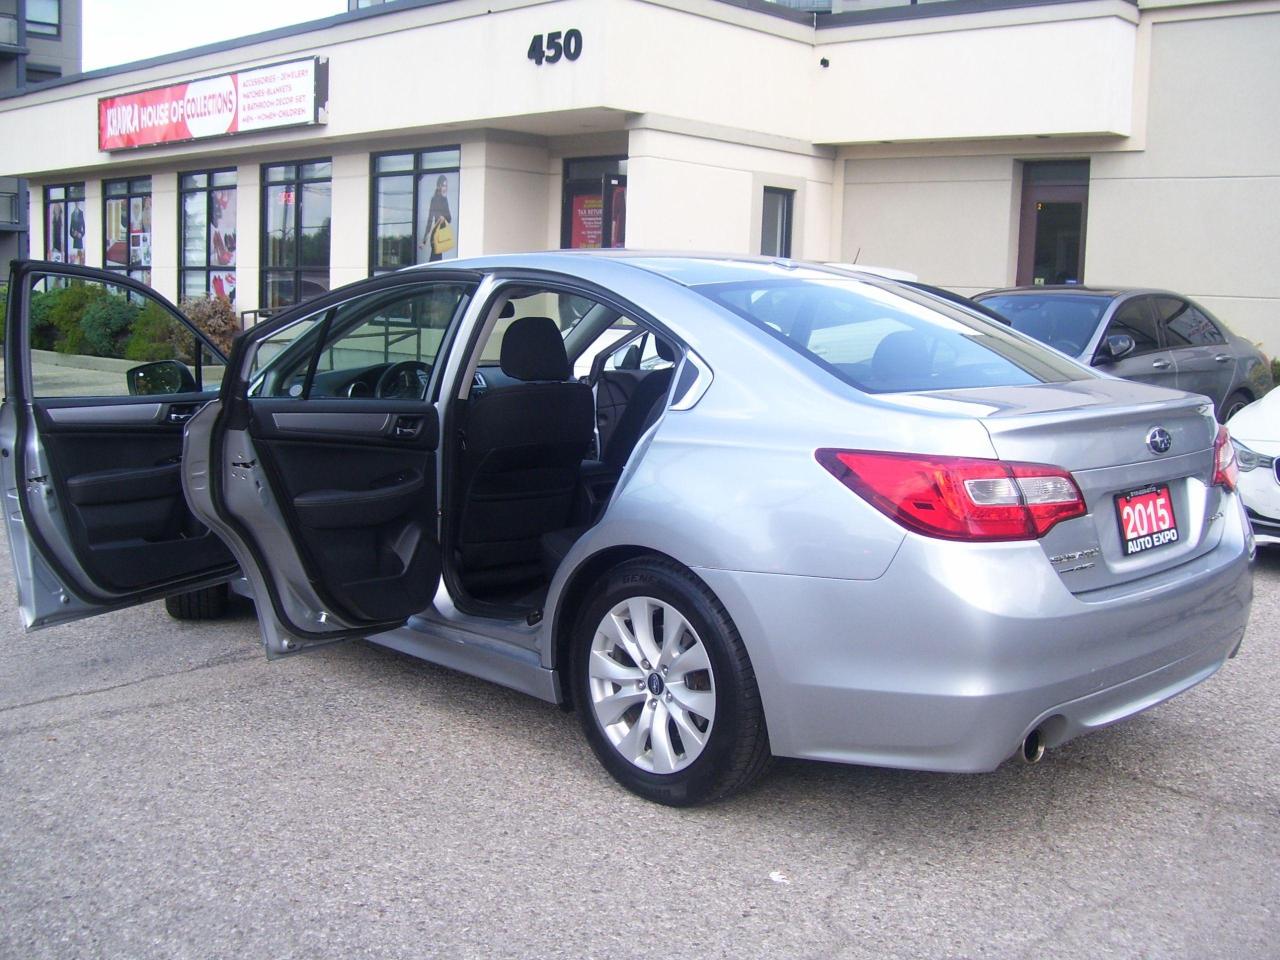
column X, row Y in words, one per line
column 180, row 413
column 1222, row 358
column 406, row 428
column 1160, row 364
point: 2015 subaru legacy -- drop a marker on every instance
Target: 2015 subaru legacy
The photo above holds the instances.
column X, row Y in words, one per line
column 784, row 510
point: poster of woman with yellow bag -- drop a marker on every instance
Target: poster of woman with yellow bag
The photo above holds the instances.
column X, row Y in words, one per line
column 438, row 237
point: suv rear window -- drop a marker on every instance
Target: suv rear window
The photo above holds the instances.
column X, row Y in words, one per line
column 887, row 340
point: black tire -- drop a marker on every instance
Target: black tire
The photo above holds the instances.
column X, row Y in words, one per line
column 736, row 753
column 1234, row 404
column 208, row 603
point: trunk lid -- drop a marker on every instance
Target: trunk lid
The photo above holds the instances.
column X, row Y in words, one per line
column 1100, row 431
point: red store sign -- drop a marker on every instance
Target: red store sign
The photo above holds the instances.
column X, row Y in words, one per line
column 264, row 98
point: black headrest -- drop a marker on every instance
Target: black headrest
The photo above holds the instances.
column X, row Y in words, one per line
column 532, row 350
column 665, row 350
column 508, row 310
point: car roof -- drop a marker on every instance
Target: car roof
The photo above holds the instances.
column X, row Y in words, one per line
column 686, row 269
column 1052, row 288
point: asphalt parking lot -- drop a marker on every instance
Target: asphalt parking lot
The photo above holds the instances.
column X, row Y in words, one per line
column 165, row 792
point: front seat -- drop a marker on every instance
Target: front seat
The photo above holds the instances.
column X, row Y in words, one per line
column 522, row 446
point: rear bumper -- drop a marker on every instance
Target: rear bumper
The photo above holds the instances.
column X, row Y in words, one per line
column 951, row 658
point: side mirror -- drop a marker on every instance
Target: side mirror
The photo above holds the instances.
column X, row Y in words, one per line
column 1115, row 347
column 163, row 376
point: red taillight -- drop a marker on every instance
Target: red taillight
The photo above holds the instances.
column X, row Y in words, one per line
column 1226, row 472
column 959, row 498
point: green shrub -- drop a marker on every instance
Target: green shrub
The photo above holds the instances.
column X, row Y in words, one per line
column 158, row 336
column 56, row 316
column 1275, row 371
column 214, row 317
column 105, row 325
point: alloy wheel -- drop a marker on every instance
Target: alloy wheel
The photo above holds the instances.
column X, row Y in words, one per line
column 651, row 683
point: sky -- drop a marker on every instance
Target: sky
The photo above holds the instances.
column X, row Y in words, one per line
column 121, row 31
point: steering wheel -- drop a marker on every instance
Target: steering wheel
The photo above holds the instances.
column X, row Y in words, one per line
column 403, row 380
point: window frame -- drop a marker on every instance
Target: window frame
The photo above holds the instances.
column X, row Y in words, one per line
column 613, row 173
column 417, row 172
column 139, row 272
column 55, row 73
column 208, row 269
column 65, row 202
column 53, row 34
column 298, row 271
column 63, row 274
column 787, row 218
column 306, row 348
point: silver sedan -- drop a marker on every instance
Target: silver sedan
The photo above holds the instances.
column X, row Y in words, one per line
column 784, row 510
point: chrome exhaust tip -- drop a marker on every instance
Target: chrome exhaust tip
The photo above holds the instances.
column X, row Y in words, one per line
column 1033, row 747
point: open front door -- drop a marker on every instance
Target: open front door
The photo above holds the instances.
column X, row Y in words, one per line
column 101, row 375
column 318, row 463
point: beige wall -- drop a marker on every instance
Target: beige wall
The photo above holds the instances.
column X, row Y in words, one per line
column 1058, row 70
column 947, row 219
column 694, row 188
column 1198, row 210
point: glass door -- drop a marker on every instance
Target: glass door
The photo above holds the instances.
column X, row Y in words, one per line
column 1055, row 202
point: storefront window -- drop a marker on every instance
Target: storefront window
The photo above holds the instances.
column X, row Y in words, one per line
column 297, row 209
column 64, row 223
column 415, row 208
column 595, row 203
column 126, row 227
column 208, row 235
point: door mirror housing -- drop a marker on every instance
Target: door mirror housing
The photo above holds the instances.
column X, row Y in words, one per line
column 1115, row 347
column 160, row 377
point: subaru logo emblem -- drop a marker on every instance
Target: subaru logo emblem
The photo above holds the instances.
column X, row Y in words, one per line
column 1159, row 440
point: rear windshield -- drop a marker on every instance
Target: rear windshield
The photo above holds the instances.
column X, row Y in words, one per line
column 1065, row 321
column 884, row 340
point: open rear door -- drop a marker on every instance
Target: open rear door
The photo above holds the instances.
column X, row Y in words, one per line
column 318, row 463
column 101, row 375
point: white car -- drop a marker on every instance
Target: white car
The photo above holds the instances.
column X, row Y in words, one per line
column 1255, row 430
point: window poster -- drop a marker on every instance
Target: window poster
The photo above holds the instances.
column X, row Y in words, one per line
column 222, row 228
column 587, row 223
column 55, row 233
column 437, row 216
column 140, row 231
column 75, row 232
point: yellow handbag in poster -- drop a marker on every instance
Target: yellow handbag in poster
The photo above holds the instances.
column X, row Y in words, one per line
column 442, row 239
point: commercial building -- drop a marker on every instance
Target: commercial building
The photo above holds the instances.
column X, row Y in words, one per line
column 976, row 143
column 39, row 43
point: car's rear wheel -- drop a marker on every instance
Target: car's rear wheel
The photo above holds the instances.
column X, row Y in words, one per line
column 208, row 603
column 665, row 690
column 1235, row 403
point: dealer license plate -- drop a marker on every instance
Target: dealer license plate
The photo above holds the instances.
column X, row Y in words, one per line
column 1146, row 519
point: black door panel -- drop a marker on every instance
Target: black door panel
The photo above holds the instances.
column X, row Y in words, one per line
column 122, row 486
column 358, row 488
